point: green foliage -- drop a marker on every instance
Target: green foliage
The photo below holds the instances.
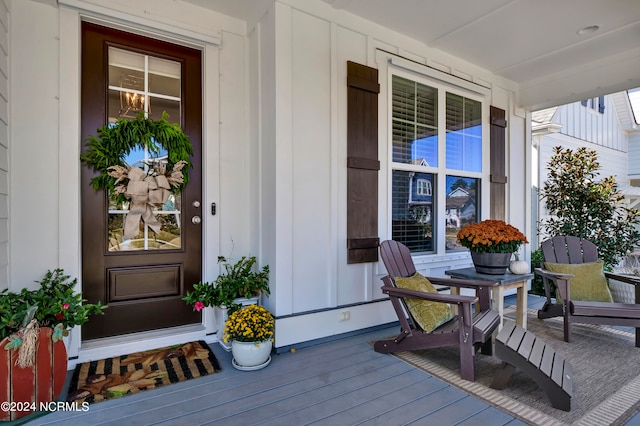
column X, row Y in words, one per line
column 56, row 302
column 585, row 207
column 113, row 143
column 238, row 281
column 537, row 286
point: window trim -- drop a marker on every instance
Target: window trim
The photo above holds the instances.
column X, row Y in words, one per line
column 443, row 83
column 431, row 73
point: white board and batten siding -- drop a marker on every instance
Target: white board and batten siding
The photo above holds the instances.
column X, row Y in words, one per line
column 584, row 126
column 274, row 146
column 587, row 124
column 303, row 181
column 634, row 157
column 4, row 146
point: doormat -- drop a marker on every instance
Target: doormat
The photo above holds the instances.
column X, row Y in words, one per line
column 606, row 375
column 110, row 378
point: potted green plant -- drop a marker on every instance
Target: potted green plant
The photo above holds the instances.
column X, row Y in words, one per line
column 238, row 285
column 238, row 281
column 32, row 325
column 250, row 331
column 56, row 300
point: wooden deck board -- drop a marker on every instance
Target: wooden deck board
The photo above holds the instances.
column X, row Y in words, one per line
column 463, row 409
column 414, row 409
column 337, row 382
column 335, row 398
column 316, row 387
column 373, row 409
column 490, row 416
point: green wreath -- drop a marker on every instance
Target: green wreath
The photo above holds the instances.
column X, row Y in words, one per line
column 106, row 152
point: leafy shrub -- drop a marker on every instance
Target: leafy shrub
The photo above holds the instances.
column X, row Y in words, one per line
column 537, row 286
column 56, row 300
column 583, row 206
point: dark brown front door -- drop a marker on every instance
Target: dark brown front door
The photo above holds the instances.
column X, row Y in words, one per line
column 141, row 278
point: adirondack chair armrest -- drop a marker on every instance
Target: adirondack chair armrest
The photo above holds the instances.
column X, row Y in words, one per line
column 463, row 283
column 554, row 276
column 623, row 278
column 482, row 288
column 464, row 302
column 562, row 282
column 435, row 297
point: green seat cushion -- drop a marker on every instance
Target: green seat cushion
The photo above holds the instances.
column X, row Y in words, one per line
column 589, row 283
column 428, row 314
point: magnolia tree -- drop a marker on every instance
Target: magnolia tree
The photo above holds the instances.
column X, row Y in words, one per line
column 582, row 205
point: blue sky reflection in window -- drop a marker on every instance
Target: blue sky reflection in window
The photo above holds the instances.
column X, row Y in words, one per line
column 464, row 134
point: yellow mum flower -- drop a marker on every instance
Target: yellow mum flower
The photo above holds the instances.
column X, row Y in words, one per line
column 249, row 324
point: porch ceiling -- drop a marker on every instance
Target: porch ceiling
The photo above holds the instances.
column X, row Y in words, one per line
column 534, row 43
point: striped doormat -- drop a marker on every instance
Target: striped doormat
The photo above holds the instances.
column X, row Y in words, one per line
column 128, row 374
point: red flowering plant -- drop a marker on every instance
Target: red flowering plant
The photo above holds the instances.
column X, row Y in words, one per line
column 55, row 303
column 491, row 236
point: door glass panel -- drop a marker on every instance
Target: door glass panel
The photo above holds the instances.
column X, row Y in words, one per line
column 141, row 83
column 164, row 77
column 124, row 104
column 159, row 105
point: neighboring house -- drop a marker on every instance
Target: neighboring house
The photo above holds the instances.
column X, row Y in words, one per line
column 605, row 124
column 461, row 208
column 268, row 106
column 456, row 201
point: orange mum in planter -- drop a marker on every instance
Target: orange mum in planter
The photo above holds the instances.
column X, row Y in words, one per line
column 491, row 236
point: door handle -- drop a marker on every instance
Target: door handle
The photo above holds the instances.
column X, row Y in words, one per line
column 196, row 220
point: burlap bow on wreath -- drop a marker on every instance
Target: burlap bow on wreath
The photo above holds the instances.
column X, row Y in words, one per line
column 145, row 192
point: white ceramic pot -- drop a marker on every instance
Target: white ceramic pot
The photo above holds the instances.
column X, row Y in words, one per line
column 251, row 355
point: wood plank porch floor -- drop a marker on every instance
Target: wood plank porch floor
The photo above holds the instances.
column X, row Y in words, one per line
column 340, row 382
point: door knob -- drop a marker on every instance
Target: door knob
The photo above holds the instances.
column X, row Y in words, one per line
column 196, row 220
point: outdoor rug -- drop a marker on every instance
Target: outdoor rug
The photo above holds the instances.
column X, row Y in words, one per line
column 606, row 375
column 128, row 374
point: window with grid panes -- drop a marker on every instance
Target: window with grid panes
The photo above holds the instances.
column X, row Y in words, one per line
column 436, row 156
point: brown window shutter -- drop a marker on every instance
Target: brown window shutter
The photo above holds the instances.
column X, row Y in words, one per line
column 362, row 163
column 497, row 154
